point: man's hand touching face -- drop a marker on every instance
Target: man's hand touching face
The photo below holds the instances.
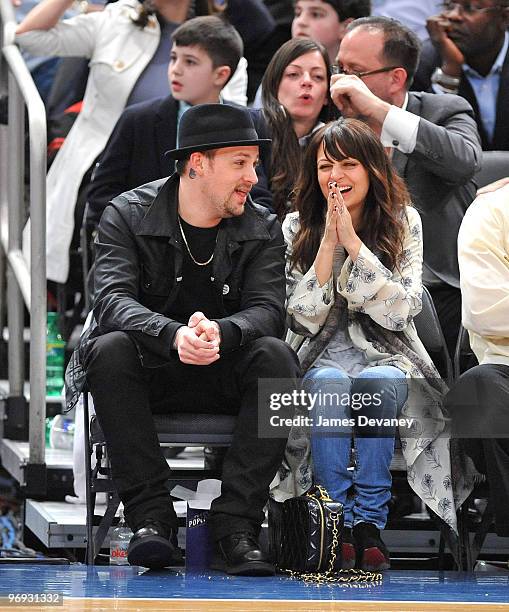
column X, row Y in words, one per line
column 438, row 27
column 354, row 99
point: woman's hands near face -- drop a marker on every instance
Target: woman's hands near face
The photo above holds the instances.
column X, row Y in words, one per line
column 339, row 228
column 344, row 227
column 330, row 235
column 345, row 232
column 338, row 222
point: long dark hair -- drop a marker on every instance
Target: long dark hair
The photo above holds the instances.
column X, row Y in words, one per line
column 286, row 153
column 381, row 225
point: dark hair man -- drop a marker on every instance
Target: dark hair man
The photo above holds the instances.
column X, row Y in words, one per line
column 468, row 54
column 433, row 140
column 189, row 308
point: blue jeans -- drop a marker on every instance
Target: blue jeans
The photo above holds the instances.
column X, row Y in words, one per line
column 365, row 488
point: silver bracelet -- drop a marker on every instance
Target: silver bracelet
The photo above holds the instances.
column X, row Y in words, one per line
column 445, row 80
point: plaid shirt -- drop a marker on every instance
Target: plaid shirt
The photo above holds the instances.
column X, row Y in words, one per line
column 75, row 375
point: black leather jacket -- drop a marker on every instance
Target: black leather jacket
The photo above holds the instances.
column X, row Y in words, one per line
column 139, row 268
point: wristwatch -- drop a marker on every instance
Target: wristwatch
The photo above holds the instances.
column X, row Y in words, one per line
column 446, row 81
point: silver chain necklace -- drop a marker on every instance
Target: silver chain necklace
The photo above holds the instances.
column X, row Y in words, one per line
column 198, row 263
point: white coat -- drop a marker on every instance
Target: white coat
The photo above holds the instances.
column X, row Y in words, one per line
column 119, row 51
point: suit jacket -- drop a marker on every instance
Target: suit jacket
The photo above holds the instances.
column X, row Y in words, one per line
column 135, row 152
column 438, row 174
column 430, row 59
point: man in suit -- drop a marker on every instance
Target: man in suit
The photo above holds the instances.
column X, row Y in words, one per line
column 204, row 55
column 468, row 54
column 433, row 141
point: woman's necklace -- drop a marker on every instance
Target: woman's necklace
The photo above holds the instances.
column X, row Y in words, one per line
column 198, row 263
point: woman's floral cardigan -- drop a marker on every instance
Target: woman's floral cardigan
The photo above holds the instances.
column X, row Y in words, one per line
column 391, row 299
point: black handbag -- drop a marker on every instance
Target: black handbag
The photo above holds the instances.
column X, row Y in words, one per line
column 305, row 540
column 305, row 532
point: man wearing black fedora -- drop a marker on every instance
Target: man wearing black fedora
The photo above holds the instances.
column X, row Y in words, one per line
column 188, row 315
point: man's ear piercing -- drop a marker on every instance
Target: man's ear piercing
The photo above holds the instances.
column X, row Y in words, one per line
column 192, row 173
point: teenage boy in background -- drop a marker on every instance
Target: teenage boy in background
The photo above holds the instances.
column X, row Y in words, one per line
column 325, row 21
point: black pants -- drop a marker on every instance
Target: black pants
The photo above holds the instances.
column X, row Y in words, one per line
column 479, row 406
column 125, row 395
column 447, row 301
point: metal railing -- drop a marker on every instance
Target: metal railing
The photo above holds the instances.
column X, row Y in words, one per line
column 26, row 281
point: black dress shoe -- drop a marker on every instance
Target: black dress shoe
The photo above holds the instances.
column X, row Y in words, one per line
column 239, row 554
column 154, row 547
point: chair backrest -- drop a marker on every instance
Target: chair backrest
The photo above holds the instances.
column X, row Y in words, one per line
column 431, row 335
column 176, row 429
column 464, row 357
column 495, row 165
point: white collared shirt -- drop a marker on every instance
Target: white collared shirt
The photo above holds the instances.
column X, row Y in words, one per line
column 399, row 129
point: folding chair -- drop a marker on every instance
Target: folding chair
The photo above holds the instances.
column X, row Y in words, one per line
column 431, row 335
column 464, row 357
column 174, row 429
column 495, row 165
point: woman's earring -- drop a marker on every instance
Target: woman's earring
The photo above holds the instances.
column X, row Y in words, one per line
column 192, row 173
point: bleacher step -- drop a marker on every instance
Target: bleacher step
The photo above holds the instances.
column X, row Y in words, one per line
column 14, row 456
column 63, row 525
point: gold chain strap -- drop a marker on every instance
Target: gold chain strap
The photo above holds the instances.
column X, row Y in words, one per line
column 352, row 578
column 324, row 496
column 335, row 541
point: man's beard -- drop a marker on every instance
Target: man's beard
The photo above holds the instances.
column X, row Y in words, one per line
column 232, row 210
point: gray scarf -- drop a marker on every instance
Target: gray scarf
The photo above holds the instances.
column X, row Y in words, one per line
column 390, row 342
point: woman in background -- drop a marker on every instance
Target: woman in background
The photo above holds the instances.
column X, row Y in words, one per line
column 296, row 101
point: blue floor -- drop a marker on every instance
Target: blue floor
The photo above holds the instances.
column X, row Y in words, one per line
column 131, row 582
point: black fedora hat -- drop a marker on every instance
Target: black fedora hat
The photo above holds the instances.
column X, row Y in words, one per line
column 214, row 126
